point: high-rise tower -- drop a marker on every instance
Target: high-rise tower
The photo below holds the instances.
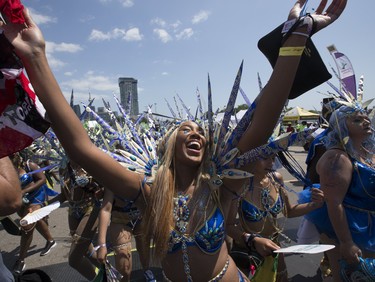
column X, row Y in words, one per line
column 129, row 95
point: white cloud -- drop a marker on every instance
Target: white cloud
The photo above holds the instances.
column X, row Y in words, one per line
column 185, row 34
column 53, row 62
column 68, row 73
column 127, row 3
column 159, row 22
column 164, row 73
column 132, row 34
column 124, row 3
column 200, row 17
column 40, row 19
column 167, row 31
column 93, row 82
column 163, row 35
column 87, row 18
column 52, row 47
column 117, row 33
column 97, row 35
column 176, row 24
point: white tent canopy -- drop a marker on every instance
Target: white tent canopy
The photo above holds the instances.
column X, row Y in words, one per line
column 299, row 113
column 219, row 117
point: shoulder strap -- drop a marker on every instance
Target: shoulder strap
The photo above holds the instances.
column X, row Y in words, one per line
column 28, row 169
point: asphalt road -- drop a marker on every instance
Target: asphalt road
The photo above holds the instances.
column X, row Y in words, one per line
column 300, row 267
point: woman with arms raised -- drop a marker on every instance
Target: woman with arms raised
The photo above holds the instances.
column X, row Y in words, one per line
column 183, row 240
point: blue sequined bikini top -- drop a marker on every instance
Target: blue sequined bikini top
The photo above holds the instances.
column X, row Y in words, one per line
column 25, row 179
column 252, row 213
column 361, row 192
column 208, row 238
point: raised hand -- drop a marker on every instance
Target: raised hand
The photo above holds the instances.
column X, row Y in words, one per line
column 321, row 17
column 27, row 38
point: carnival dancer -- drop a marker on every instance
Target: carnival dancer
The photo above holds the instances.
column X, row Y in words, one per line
column 346, row 173
column 258, row 209
column 307, row 232
column 84, row 196
column 188, row 201
column 35, row 192
column 119, row 220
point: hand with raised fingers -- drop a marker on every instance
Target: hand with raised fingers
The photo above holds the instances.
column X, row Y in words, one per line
column 27, row 39
column 321, row 17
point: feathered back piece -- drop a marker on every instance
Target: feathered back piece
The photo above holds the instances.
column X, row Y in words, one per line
column 132, row 148
column 223, row 137
column 137, row 150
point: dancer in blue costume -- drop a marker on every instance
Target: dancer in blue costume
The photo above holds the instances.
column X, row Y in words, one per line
column 347, row 177
column 35, row 192
column 307, row 232
column 185, row 207
column 83, row 195
column 258, row 210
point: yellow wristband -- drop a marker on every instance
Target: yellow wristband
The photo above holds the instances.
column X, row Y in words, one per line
column 291, row 51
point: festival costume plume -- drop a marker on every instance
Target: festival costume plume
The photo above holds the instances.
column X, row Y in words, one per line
column 136, row 150
column 132, row 149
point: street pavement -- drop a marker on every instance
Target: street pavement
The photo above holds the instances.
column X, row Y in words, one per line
column 301, row 267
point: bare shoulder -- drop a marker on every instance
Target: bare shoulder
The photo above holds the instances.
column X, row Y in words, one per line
column 33, row 165
column 279, row 177
column 334, row 160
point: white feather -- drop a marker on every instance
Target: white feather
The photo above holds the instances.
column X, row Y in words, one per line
column 39, row 214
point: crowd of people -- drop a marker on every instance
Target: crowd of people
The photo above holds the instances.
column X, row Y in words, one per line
column 186, row 194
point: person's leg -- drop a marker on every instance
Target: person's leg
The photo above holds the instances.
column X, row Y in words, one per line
column 81, row 242
column 282, row 272
column 25, row 242
column 144, row 254
column 26, row 239
column 333, row 257
column 120, row 240
column 43, row 229
column 143, row 251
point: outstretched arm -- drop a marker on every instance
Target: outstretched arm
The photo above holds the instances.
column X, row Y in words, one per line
column 10, row 188
column 104, row 221
column 30, row 47
column 275, row 93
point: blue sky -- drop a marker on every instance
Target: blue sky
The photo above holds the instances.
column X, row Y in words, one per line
column 170, row 46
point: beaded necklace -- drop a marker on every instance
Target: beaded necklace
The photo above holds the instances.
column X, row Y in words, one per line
column 181, row 214
column 367, row 157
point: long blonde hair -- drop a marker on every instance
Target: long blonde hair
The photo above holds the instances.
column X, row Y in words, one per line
column 158, row 219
